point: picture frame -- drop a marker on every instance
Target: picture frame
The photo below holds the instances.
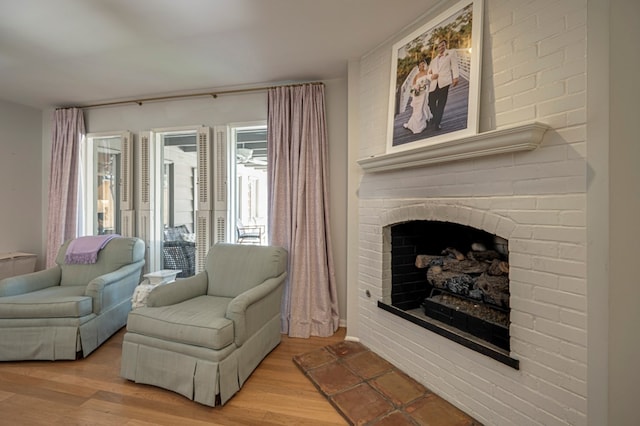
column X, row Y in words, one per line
column 435, row 72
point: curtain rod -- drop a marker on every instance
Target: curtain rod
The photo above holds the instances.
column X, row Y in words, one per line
column 214, row 95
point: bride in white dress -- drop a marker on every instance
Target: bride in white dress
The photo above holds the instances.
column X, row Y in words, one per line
column 419, row 91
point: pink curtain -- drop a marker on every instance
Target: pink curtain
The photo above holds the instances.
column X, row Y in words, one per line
column 299, row 210
column 68, row 130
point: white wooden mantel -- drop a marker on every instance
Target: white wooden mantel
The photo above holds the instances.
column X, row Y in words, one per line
column 526, row 137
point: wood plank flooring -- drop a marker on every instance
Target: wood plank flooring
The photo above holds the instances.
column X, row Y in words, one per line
column 91, row 392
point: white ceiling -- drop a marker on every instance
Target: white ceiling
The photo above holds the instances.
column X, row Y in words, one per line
column 77, row 52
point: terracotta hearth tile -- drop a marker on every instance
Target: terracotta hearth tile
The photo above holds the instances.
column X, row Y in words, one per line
column 367, row 390
column 313, row 359
column 396, row 418
column 434, row 411
column 333, row 377
column 346, row 348
column 367, row 364
column 361, row 404
column 398, row 387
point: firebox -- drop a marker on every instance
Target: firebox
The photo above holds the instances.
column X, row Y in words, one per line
column 455, row 279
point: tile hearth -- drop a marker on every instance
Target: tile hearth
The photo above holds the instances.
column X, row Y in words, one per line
column 368, row 390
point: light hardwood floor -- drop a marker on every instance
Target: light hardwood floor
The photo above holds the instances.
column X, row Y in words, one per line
column 91, row 392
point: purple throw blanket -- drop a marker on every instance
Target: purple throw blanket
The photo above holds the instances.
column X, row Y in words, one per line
column 84, row 250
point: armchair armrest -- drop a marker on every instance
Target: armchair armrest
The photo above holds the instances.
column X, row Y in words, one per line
column 124, row 281
column 178, row 291
column 30, row 282
column 99, row 283
column 254, row 307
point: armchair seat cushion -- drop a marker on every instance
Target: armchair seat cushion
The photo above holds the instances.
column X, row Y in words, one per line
column 51, row 302
column 199, row 321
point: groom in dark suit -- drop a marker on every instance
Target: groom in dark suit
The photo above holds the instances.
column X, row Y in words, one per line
column 443, row 70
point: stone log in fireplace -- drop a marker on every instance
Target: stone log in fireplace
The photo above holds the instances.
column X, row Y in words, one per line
column 470, row 291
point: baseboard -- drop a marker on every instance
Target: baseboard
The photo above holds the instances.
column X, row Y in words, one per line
column 343, row 323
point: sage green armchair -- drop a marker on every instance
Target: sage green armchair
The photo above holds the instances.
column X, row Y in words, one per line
column 70, row 309
column 203, row 336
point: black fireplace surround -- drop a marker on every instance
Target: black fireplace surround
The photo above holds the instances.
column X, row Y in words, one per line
column 435, row 270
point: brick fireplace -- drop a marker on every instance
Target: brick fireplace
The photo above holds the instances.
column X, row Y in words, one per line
column 533, row 198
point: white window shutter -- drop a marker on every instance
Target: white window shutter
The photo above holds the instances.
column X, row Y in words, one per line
column 207, row 235
column 203, row 237
column 145, row 214
column 144, row 171
column 127, row 223
column 126, row 170
column 220, row 184
column 212, row 169
column 204, row 168
column 205, row 203
column 211, row 217
column 220, row 232
column 220, row 176
column 152, row 244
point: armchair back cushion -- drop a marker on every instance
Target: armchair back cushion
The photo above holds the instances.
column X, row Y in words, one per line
column 117, row 253
column 233, row 269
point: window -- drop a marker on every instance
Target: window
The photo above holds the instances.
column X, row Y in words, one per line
column 104, row 183
column 249, row 177
column 176, row 201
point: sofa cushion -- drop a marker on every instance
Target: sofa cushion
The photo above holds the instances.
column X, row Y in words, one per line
column 199, row 321
column 51, row 302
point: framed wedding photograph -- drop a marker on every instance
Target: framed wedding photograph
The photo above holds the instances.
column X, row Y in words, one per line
column 435, row 80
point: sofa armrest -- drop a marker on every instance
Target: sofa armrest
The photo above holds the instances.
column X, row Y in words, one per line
column 252, row 309
column 111, row 288
column 178, row 291
column 33, row 281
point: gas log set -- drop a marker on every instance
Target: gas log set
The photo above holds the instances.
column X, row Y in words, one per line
column 470, row 291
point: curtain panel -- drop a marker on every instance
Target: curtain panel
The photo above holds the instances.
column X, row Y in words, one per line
column 68, row 130
column 299, row 209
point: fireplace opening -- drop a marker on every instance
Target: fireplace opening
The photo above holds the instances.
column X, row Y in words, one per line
column 455, row 278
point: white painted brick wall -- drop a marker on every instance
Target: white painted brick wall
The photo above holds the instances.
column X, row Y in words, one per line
column 534, row 69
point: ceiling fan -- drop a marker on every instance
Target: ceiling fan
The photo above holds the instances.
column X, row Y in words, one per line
column 245, row 156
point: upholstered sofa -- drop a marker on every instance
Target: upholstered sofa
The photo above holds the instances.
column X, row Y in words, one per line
column 70, row 309
column 203, row 336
